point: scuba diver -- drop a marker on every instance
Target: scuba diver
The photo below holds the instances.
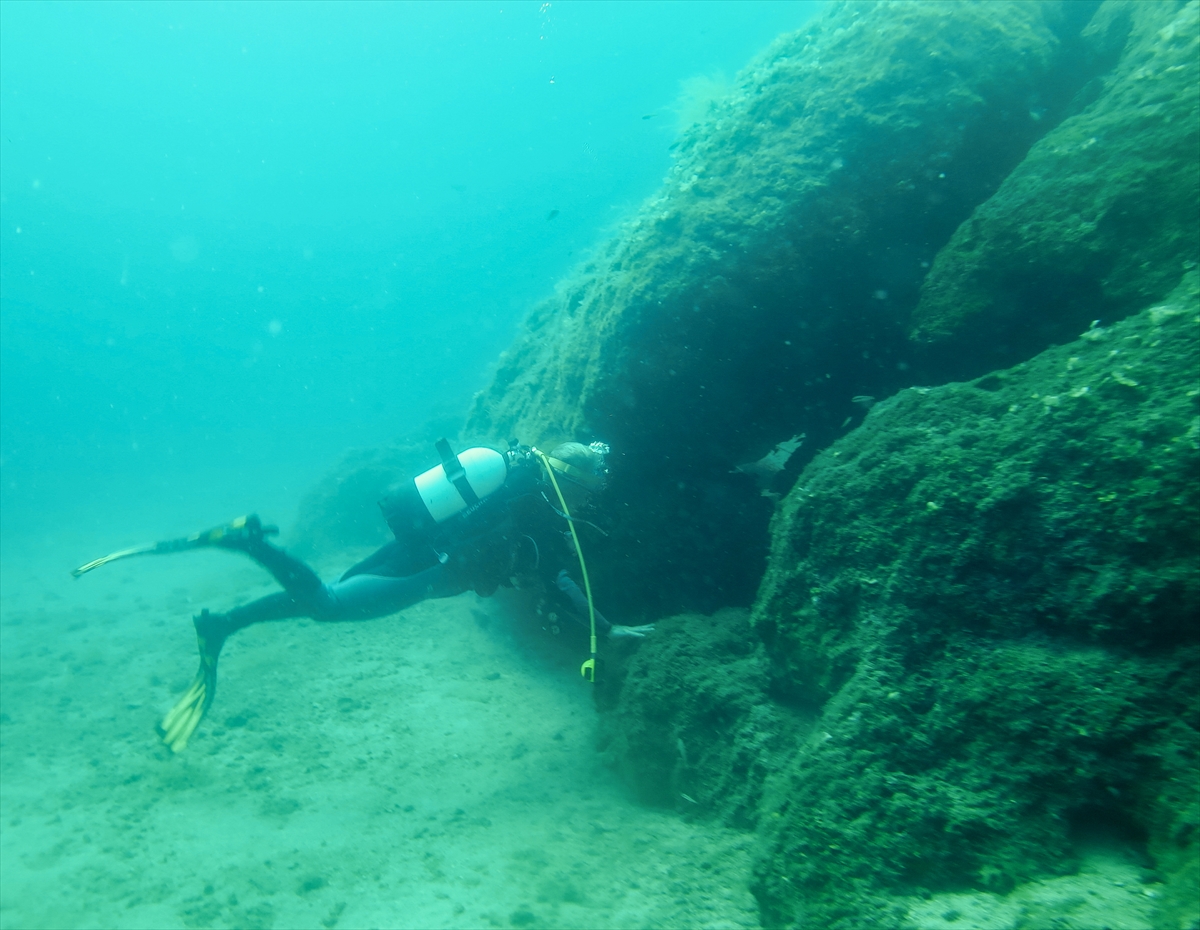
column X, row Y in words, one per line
column 478, row 520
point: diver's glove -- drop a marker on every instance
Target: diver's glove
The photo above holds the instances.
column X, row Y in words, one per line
column 181, row 720
column 616, row 631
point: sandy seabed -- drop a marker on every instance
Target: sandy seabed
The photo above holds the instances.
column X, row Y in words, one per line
column 432, row 769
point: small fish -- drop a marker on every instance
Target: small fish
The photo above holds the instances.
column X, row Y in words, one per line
column 648, row 116
column 771, row 464
column 866, row 401
column 551, row 215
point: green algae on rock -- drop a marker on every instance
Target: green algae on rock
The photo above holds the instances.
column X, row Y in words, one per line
column 974, row 642
column 989, row 592
column 1100, row 216
column 691, row 726
column 769, row 280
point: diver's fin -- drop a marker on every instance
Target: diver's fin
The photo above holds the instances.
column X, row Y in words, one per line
column 112, row 557
column 181, row 720
column 226, row 536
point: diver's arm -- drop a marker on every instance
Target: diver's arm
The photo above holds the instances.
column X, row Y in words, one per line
column 566, row 584
column 616, row 631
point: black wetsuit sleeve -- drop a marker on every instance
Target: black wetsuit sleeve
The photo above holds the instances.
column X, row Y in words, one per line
column 566, row 584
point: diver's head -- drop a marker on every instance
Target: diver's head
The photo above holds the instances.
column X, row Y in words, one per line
column 580, row 467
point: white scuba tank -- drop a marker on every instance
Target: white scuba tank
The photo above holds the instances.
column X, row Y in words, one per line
column 485, row 471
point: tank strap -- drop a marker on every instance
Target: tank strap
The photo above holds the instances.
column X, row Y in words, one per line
column 455, row 473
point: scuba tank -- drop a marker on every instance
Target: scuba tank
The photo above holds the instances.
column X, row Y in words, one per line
column 461, row 481
column 415, row 508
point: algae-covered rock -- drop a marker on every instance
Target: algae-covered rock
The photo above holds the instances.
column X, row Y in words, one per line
column 769, row 281
column 975, row 642
column 692, row 727
column 990, row 592
column 1058, row 494
column 1099, row 219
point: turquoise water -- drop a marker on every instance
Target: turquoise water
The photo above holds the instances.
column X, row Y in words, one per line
column 237, row 240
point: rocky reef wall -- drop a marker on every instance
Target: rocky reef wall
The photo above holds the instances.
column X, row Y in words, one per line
column 975, row 641
column 966, row 637
column 974, row 648
column 990, row 590
column 771, row 279
column 1097, row 220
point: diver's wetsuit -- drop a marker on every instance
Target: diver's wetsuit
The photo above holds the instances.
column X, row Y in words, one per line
column 359, row 597
column 514, row 531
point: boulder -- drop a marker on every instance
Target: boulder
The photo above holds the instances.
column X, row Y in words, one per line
column 770, row 280
column 988, row 594
column 1097, row 220
column 975, row 647
column 691, row 726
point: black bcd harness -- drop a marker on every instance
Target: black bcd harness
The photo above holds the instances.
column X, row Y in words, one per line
column 455, row 473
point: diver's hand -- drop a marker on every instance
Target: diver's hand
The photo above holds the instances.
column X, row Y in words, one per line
column 616, row 631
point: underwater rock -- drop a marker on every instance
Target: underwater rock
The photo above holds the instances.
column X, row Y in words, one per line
column 691, row 726
column 769, row 281
column 1098, row 220
column 343, row 509
column 988, row 595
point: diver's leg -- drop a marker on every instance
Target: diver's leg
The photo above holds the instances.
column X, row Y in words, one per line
column 362, row 597
column 304, row 595
column 248, row 535
column 211, row 632
column 359, row 597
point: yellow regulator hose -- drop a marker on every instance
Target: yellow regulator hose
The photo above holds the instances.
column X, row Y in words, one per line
column 588, row 669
